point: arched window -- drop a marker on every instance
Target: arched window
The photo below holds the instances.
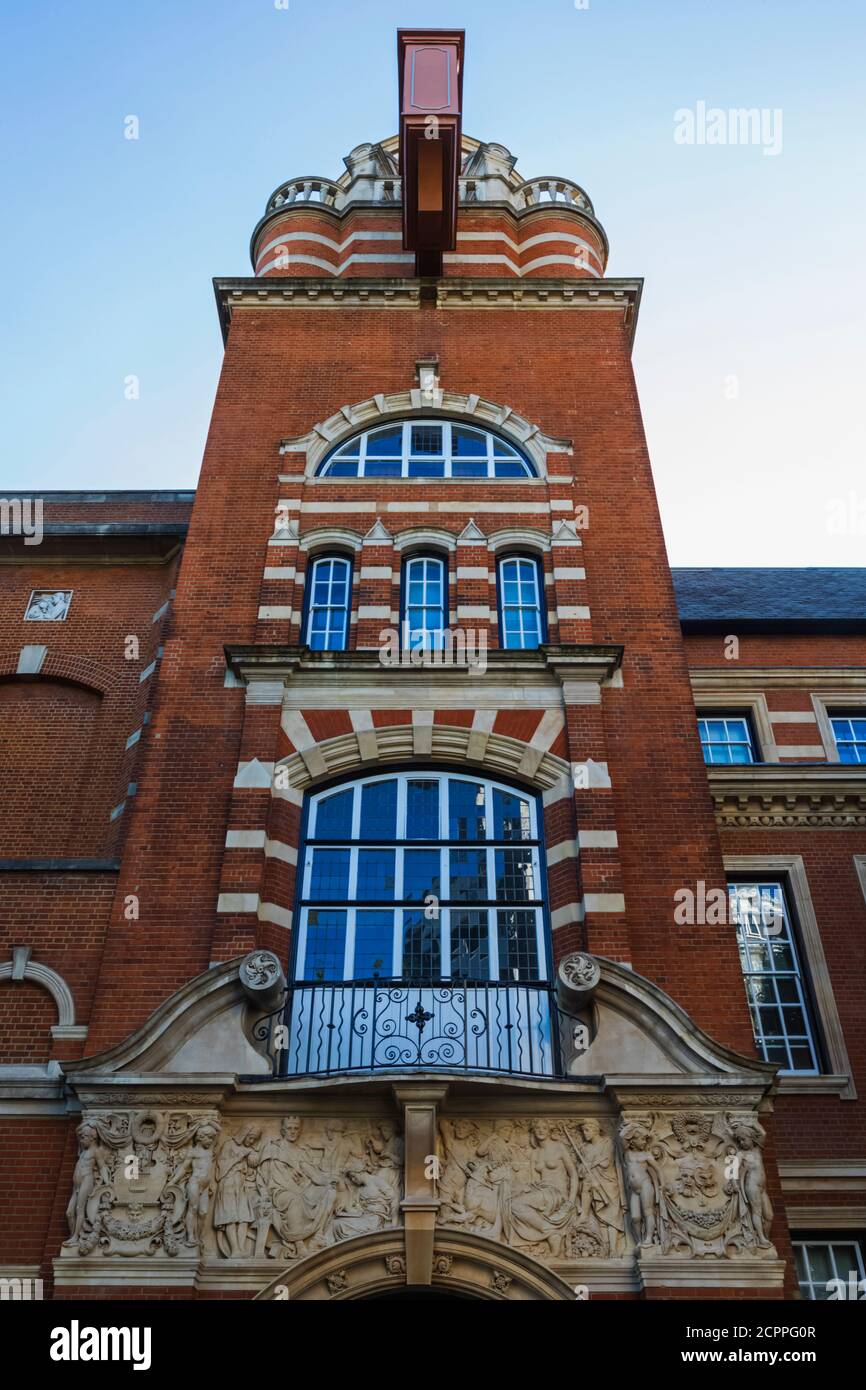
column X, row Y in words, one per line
column 427, row 449
column 521, row 611
column 421, row 876
column 424, row 602
column 328, row 596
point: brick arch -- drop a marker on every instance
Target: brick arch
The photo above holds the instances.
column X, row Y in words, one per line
column 68, row 670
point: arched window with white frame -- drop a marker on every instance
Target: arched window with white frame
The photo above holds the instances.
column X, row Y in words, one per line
column 329, row 601
column 520, row 586
column 424, row 616
column 427, row 449
column 421, row 934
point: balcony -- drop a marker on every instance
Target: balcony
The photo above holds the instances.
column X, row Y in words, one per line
column 395, row 1025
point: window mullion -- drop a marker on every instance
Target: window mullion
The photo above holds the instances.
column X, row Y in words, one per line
column 445, row 941
column 397, row 967
column 492, row 943
column 349, row 953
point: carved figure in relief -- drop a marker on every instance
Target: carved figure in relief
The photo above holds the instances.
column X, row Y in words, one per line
column 644, row 1182
column 344, row 1148
column 369, row 1207
column 544, row 1209
column 385, row 1153
column 497, row 1150
column 92, row 1177
column 302, row 1194
column 237, row 1207
column 600, row 1209
column 460, row 1140
column 196, row 1170
column 756, row 1212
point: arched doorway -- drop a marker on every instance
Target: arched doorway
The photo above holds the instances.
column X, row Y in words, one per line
column 464, row 1266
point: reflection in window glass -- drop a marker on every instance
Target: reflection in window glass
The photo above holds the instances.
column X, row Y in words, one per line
column 334, row 817
column 376, row 875
column 820, row 1261
column 374, row 945
column 329, row 880
column 420, row 875
column 422, row 809
column 379, row 811
column 422, row 951
column 326, row 945
column 409, row 894
column 470, row 958
column 466, row 816
column 778, row 1004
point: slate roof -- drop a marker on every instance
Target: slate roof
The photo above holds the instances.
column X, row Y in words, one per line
column 786, row 599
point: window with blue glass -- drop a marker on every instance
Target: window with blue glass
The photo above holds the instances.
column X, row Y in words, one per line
column 727, row 738
column 427, row 449
column 521, row 615
column 849, row 731
column 425, row 602
column 421, row 876
column 329, row 594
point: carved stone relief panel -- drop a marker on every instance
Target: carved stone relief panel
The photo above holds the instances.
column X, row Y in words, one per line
column 696, row 1183
column 549, row 1187
column 149, row 1182
column 680, row 1182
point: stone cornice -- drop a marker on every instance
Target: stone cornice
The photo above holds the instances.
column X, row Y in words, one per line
column 778, row 796
column 734, row 677
column 585, row 662
column 481, row 292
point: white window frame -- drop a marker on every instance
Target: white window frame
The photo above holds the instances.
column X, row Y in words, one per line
column 350, row 905
column 804, row 1244
column 489, row 459
column 791, row 869
column 313, row 607
column 521, row 608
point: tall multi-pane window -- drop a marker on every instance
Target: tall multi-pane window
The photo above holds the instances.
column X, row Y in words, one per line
column 827, row 1267
column 427, row 449
column 726, row 738
column 520, row 593
column 328, row 603
column 422, row 876
column 849, row 731
column 425, row 602
column 775, row 988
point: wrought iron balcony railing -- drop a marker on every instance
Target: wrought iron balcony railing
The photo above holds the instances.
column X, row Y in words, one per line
column 395, row 1025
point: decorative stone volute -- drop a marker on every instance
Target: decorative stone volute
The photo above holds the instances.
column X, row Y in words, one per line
column 262, row 978
column 577, row 977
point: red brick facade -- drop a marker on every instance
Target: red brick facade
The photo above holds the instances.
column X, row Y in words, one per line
column 135, row 774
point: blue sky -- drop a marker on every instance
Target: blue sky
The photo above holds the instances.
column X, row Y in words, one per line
column 749, row 352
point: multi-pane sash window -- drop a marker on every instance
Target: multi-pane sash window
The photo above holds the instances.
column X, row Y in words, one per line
column 328, row 604
column 775, row 988
column 425, row 593
column 849, row 731
column 520, row 594
column 819, row 1262
column 422, row 876
column 726, row 739
column 427, row 449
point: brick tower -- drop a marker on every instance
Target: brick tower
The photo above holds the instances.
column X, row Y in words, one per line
column 378, row 978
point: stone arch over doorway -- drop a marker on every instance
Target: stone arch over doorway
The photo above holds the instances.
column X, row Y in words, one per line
column 464, row 1266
